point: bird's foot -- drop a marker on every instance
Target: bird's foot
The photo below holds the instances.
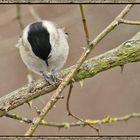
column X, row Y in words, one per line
column 54, row 76
column 47, row 78
column 51, row 78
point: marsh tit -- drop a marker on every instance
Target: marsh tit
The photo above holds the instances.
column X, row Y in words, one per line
column 43, row 47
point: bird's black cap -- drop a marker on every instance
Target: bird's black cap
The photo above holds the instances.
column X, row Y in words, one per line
column 39, row 39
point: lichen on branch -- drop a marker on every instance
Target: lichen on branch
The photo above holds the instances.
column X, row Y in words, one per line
column 127, row 52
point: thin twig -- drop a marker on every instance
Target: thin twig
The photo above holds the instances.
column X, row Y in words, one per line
column 67, row 79
column 73, row 115
column 68, row 99
column 71, row 84
column 84, row 23
column 105, row 120
column 129, row 22
column 33, row 13
column 16, row 117
column 18, row 17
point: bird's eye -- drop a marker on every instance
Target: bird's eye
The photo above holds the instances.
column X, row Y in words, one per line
column 67, row 34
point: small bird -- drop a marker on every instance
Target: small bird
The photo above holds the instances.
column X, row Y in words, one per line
column 44, row 48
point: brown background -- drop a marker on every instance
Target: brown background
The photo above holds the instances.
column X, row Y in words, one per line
column 108, row 93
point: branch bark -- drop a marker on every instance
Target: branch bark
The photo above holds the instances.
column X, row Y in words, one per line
column 127, row 52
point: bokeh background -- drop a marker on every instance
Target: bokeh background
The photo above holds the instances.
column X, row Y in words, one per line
column 108, row 93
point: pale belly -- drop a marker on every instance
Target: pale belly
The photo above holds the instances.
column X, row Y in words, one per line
column 36, row 64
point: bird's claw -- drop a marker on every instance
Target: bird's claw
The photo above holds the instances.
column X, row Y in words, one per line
column 52, row 78
column 47, row 78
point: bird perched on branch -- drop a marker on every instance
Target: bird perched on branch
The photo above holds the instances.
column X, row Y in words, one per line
column 44, row 48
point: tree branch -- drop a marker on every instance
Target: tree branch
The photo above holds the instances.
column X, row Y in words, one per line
column 33, row 13
column 127, row 52
column 130, row 22
column 108, row 119
column 18, row 16
column 82, row 11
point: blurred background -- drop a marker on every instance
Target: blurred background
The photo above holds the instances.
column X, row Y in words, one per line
column 108, row 93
